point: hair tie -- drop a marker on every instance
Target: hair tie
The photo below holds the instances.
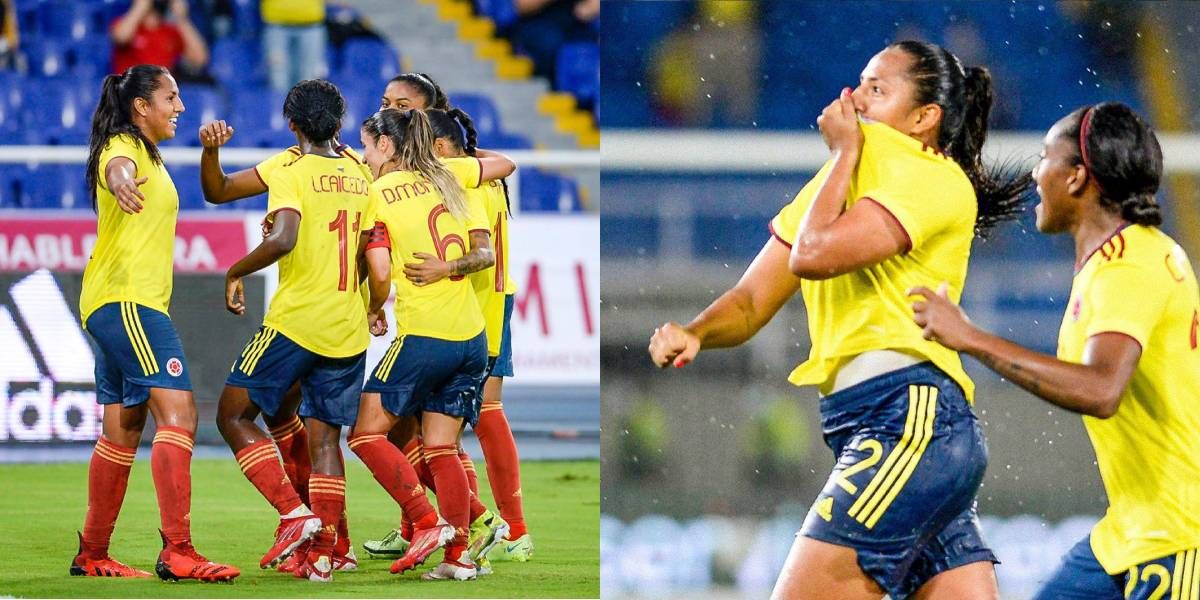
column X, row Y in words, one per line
column 1084, row 125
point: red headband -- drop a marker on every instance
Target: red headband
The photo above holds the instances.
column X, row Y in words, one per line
column 1084, row 124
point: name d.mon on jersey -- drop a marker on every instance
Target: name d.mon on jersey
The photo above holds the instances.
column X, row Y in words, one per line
column 341, row 184
column 405, row 191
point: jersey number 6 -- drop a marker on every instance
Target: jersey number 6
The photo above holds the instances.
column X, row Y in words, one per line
column 442, row 244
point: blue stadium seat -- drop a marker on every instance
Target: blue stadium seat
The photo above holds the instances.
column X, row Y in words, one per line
column 235, row 63
column 55, row 186
column 187, row 184
column 91, row 57
column 12, row 178
column 257, row 118
column 201, row 105
column 578, row 71
column 502, row 12
column 47, row 56
column 368, row 58
column 58, row 111
column 246, row 22
column 509, row 141
column 541, row 191
column 482, row 112
column 68, row 20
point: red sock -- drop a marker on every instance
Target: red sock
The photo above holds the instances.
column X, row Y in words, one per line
column 412, row 451
column 292, row 440
column 171, row 465
column 328, row 493
column 261, row 466
column 503, row 465
column 394, row 473
column 477, row 507
column 108, row 476
column 343, row 525
column 453, row 495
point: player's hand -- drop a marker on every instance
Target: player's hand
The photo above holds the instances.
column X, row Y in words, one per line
column 672, row 344
column 431, row 269
column 839, row 125
column 179, row 10
column 941, row 320
column 235, row 297
column 377, row 322
column 214, row 134
column 129, row 197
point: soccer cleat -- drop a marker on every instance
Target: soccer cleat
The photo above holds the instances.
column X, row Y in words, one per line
column 288, row 535
column 486, row 532
column 82, row 566
column 484, row 566
column 345, row 562
column 462, row 569
column 295, row 559
column 316, row 568
column 424, row 542
column 519, row 550
column 393, row 545
column 183, row 562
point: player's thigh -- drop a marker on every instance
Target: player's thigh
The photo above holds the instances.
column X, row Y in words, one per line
column 123, row 425
column 493, row 388
column 816, row 570
column 372, row 416
column 332, row 389
column 439, row 429
column 972, row 581
column 287, row 408
column 404, row 430
column 174, row 408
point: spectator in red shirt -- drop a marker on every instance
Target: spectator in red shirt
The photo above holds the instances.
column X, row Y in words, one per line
column 145, row 36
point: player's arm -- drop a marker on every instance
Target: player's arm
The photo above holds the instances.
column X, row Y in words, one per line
column 280, row 241
column 735, row 316
column 494, row 165
column 1092, row 388
column 120, row 173
column 218, row 187
column 195, row 50
column 830, row 240
column 123, row 30
column 432, row 269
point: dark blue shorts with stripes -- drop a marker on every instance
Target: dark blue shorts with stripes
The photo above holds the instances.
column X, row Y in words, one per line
column 136, row 349
column 271, row 362
column 419, row 374
column 911, row 456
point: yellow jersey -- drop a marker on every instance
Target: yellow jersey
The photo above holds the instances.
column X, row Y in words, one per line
column 267, row 167
column 411, row 211
column 1139, row 283
column 493, row 283
column 933, row 201
column 293, row 12
column 318, row 304
column 134, row 253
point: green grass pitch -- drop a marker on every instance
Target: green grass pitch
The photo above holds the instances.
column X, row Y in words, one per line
column 42, row 505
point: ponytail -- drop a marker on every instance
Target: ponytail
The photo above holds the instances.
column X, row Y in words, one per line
column 114, row 116
column 965, row 97
column 1122, row 156
column 412, row 137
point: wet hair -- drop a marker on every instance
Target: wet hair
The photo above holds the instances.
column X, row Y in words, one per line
column 451, row 125
column 965, row 97
column 316, row 107
column 412, row 139
column 1121, row 154
column 114, row 116
column 434, row 96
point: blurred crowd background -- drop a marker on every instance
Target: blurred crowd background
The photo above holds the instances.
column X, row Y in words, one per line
column 709, row 470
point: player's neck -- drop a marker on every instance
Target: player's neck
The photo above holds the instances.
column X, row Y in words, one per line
column 326, row 148
column 1093, row 229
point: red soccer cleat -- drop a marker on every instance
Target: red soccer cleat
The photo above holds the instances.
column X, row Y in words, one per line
column 290, row 534
column 83, row 566
column 183, row 562
column 345, row 561
column 316, row 567
column 295, row 559
column 424, row 542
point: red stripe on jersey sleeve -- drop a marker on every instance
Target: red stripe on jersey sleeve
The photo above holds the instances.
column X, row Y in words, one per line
column 907, row 238
column 260, row 179
column 378, row 237
column 775, row 234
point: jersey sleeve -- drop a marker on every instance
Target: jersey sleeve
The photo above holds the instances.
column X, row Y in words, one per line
column 477, row 216
column 1126, row 298
column 467, row 170
column 908, row 193
column 266, row 168
column 785, row 224
column 120, row 146
column 284, row 193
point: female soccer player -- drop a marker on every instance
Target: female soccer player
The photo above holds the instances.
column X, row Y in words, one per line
column 1128, row 357
column 440, row 353
column 314, row 333
column 898, row 203
column 413, row 90
column 140, row 365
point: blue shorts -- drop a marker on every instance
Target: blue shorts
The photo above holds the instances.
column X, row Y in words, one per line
column 501, row 365
column 1080, row 577
column 911, row 457
column 271, row 363
column 136, row 349
column 423, row 374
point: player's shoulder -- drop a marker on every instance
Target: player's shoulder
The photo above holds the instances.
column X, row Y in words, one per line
column 1141, row 252
column 123, row 143
column 350, row 153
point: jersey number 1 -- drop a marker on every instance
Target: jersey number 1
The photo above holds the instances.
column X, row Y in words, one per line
column 339, row 225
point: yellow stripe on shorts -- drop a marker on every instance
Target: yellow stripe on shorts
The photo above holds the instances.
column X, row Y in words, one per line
column 880, row 491
column 137, row 339
column 251, row 360
column 389, row 359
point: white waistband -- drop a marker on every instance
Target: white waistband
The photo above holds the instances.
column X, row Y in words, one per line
column 871, row 364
